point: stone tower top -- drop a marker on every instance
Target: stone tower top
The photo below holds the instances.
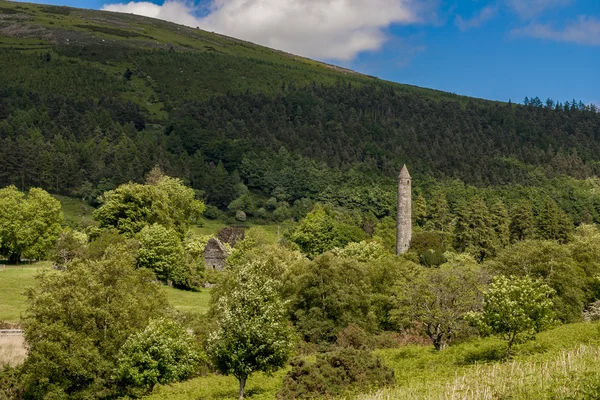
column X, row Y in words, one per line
column 404, row 173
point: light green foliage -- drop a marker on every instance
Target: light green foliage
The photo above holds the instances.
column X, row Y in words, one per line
column 439, row 298
column 385, row 275
column 362, row 251
column 585, row 248
column 29, row 225
column 70, row 245
column 253, row 237
column 253, row 333
column 77, row 321
column 553, row 263
column 182, row 207
column 162, row 353
column 419, row 212
column 161, row 250
column 330, row 293
column 385, row 233
column 320, row 232
column 243, row 203
column 132, row 206
column 515, row 309
column 194, row 246
column 542, row 372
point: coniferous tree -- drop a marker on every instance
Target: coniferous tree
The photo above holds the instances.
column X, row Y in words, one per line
column 521, row 221
column 500, row 223
column 420, row 210
column 437, row 212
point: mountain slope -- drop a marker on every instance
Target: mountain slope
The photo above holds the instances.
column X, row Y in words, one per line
column 92, row 99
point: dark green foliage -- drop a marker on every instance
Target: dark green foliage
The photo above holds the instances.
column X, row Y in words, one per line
column 330, row 293
column 211, row 212
column 73, row 123
column 334, row 374
column 474, row 230
column 354, row 336
column 77, row 321
column 554, row 265
column 430, row 247
column 521, row 225
column 11, row 387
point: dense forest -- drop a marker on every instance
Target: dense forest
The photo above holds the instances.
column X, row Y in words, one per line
column 86, row 106
column 163, row 128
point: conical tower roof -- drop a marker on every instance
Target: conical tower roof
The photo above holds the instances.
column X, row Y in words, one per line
column 404, row 173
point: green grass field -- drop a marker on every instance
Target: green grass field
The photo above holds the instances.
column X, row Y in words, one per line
column 77, row 213
column 423, row 373
column 195, row 302
column 15, row 279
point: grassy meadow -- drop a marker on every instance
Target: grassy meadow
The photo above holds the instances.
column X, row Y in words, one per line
column 560, row 363
column 14, row 280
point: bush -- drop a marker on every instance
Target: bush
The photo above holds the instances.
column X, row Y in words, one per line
column 240, row 216
column 162, row 353
column 10, row 383
column 354, row 336
column 211, row 212
column 335, row 373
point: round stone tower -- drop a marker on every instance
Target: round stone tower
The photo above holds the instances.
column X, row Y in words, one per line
column 404, row 221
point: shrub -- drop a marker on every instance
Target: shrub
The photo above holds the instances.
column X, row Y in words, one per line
column 335, row 373
column 10, row 383
column 354, row 336
column 240, row 216
column 211, row 212
column 162, row 353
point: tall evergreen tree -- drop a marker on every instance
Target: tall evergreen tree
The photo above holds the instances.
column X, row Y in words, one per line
column 500, row 223
column 521, row 221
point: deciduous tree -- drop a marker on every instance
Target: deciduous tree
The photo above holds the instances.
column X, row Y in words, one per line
column 29, row 224
column 253, row 333
column 515, row 309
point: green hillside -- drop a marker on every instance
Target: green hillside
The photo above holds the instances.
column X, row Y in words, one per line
column 92, row 99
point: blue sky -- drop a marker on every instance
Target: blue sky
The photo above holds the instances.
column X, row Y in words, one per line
column 501, row 49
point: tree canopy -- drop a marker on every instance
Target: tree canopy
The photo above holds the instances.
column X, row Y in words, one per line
column 29, row 224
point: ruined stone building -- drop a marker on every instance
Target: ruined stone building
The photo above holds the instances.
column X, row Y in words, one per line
column 404, row 220
column 215, row 254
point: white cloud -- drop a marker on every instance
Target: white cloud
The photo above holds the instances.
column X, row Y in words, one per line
column 325, row 29
column 585, row 30
column 483, row 16
column 530, row 8
column 175, row 11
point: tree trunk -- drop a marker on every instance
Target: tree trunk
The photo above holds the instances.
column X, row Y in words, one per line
column 242, row 386
column 509, row 348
